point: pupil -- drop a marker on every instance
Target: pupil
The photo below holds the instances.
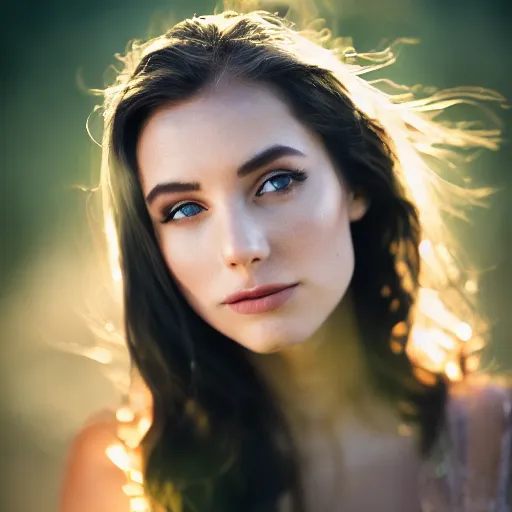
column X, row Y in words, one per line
column 281, row 181
column 189, row 210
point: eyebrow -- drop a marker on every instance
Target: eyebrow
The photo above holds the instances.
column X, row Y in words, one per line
column 256, row 162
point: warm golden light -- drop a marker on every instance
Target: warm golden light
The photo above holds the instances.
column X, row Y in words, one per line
column 132, row 489
column 135, row 476
column 125, row 415
column 119, row 456
column 438, row 337
column 113, row 248
column 425, row 248
column 99, row 354
column 471, row 286
column 472, row 363
column 396, row 347
column 424, row 376
column 464, row 331
column 139, row 504
column 143, row 426
column 453, row 371
column 126, row 458
column 422, row 350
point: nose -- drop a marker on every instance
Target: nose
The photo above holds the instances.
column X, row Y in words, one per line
column 243, row 241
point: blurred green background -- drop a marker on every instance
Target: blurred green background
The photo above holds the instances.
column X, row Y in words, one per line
column 47, row 255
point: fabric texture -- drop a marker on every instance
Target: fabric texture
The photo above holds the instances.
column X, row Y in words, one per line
column 469, row 469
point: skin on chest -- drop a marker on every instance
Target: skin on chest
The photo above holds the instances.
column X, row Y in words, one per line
column 360, row 470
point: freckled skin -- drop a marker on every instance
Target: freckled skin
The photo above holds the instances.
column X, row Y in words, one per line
column 237, row 239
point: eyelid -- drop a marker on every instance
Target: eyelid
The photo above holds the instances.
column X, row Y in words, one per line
column 298, row 175
column 166, row 212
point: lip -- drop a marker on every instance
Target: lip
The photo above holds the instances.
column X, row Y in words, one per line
column 260, row 299
column 256, row 292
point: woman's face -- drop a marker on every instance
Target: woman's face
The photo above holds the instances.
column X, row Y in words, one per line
column 242, row 196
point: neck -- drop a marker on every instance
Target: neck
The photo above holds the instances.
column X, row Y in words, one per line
column 325, row 377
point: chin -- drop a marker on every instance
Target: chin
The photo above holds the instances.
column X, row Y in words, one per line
column 267, row 336
column 269, row 345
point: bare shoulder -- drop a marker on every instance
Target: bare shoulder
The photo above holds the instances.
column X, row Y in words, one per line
column 91, row 480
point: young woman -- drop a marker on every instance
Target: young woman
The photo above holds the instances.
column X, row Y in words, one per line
column 271, row 211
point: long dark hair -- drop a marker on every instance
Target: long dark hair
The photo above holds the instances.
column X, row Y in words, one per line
column 217, row 441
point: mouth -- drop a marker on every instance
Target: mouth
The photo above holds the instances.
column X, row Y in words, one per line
column 261, row 300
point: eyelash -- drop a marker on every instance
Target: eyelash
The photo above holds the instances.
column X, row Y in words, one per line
column 297, row 176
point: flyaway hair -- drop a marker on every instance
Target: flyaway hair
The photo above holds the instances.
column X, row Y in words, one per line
column 216, row 441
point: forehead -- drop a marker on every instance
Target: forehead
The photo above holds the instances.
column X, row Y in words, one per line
column 218, row 129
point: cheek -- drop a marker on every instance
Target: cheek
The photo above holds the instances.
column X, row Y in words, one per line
column 321, row 235
column 190, row 267
column 310, row 241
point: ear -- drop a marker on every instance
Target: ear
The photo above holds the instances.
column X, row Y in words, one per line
column 358, row 204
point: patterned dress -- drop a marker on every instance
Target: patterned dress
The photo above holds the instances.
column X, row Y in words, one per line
column 470, row 467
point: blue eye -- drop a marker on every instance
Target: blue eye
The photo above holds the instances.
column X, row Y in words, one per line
column 183, row 211
column 281, row 182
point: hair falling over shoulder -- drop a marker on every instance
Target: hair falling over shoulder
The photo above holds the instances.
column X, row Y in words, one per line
column 214, row 439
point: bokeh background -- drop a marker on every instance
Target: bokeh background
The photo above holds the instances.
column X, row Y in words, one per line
column 51, row 278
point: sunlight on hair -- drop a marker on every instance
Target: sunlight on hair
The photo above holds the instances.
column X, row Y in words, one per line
column 138, row 505
column 438, row 339
column 126, row 456
column 125, row 415
column 98, row 354
column 132, row 489
column 464, row 331
column 113, row 248
column 118, row 454
column 471, row 286
column 453, row 371
column 437, row 347
column 133, row 424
